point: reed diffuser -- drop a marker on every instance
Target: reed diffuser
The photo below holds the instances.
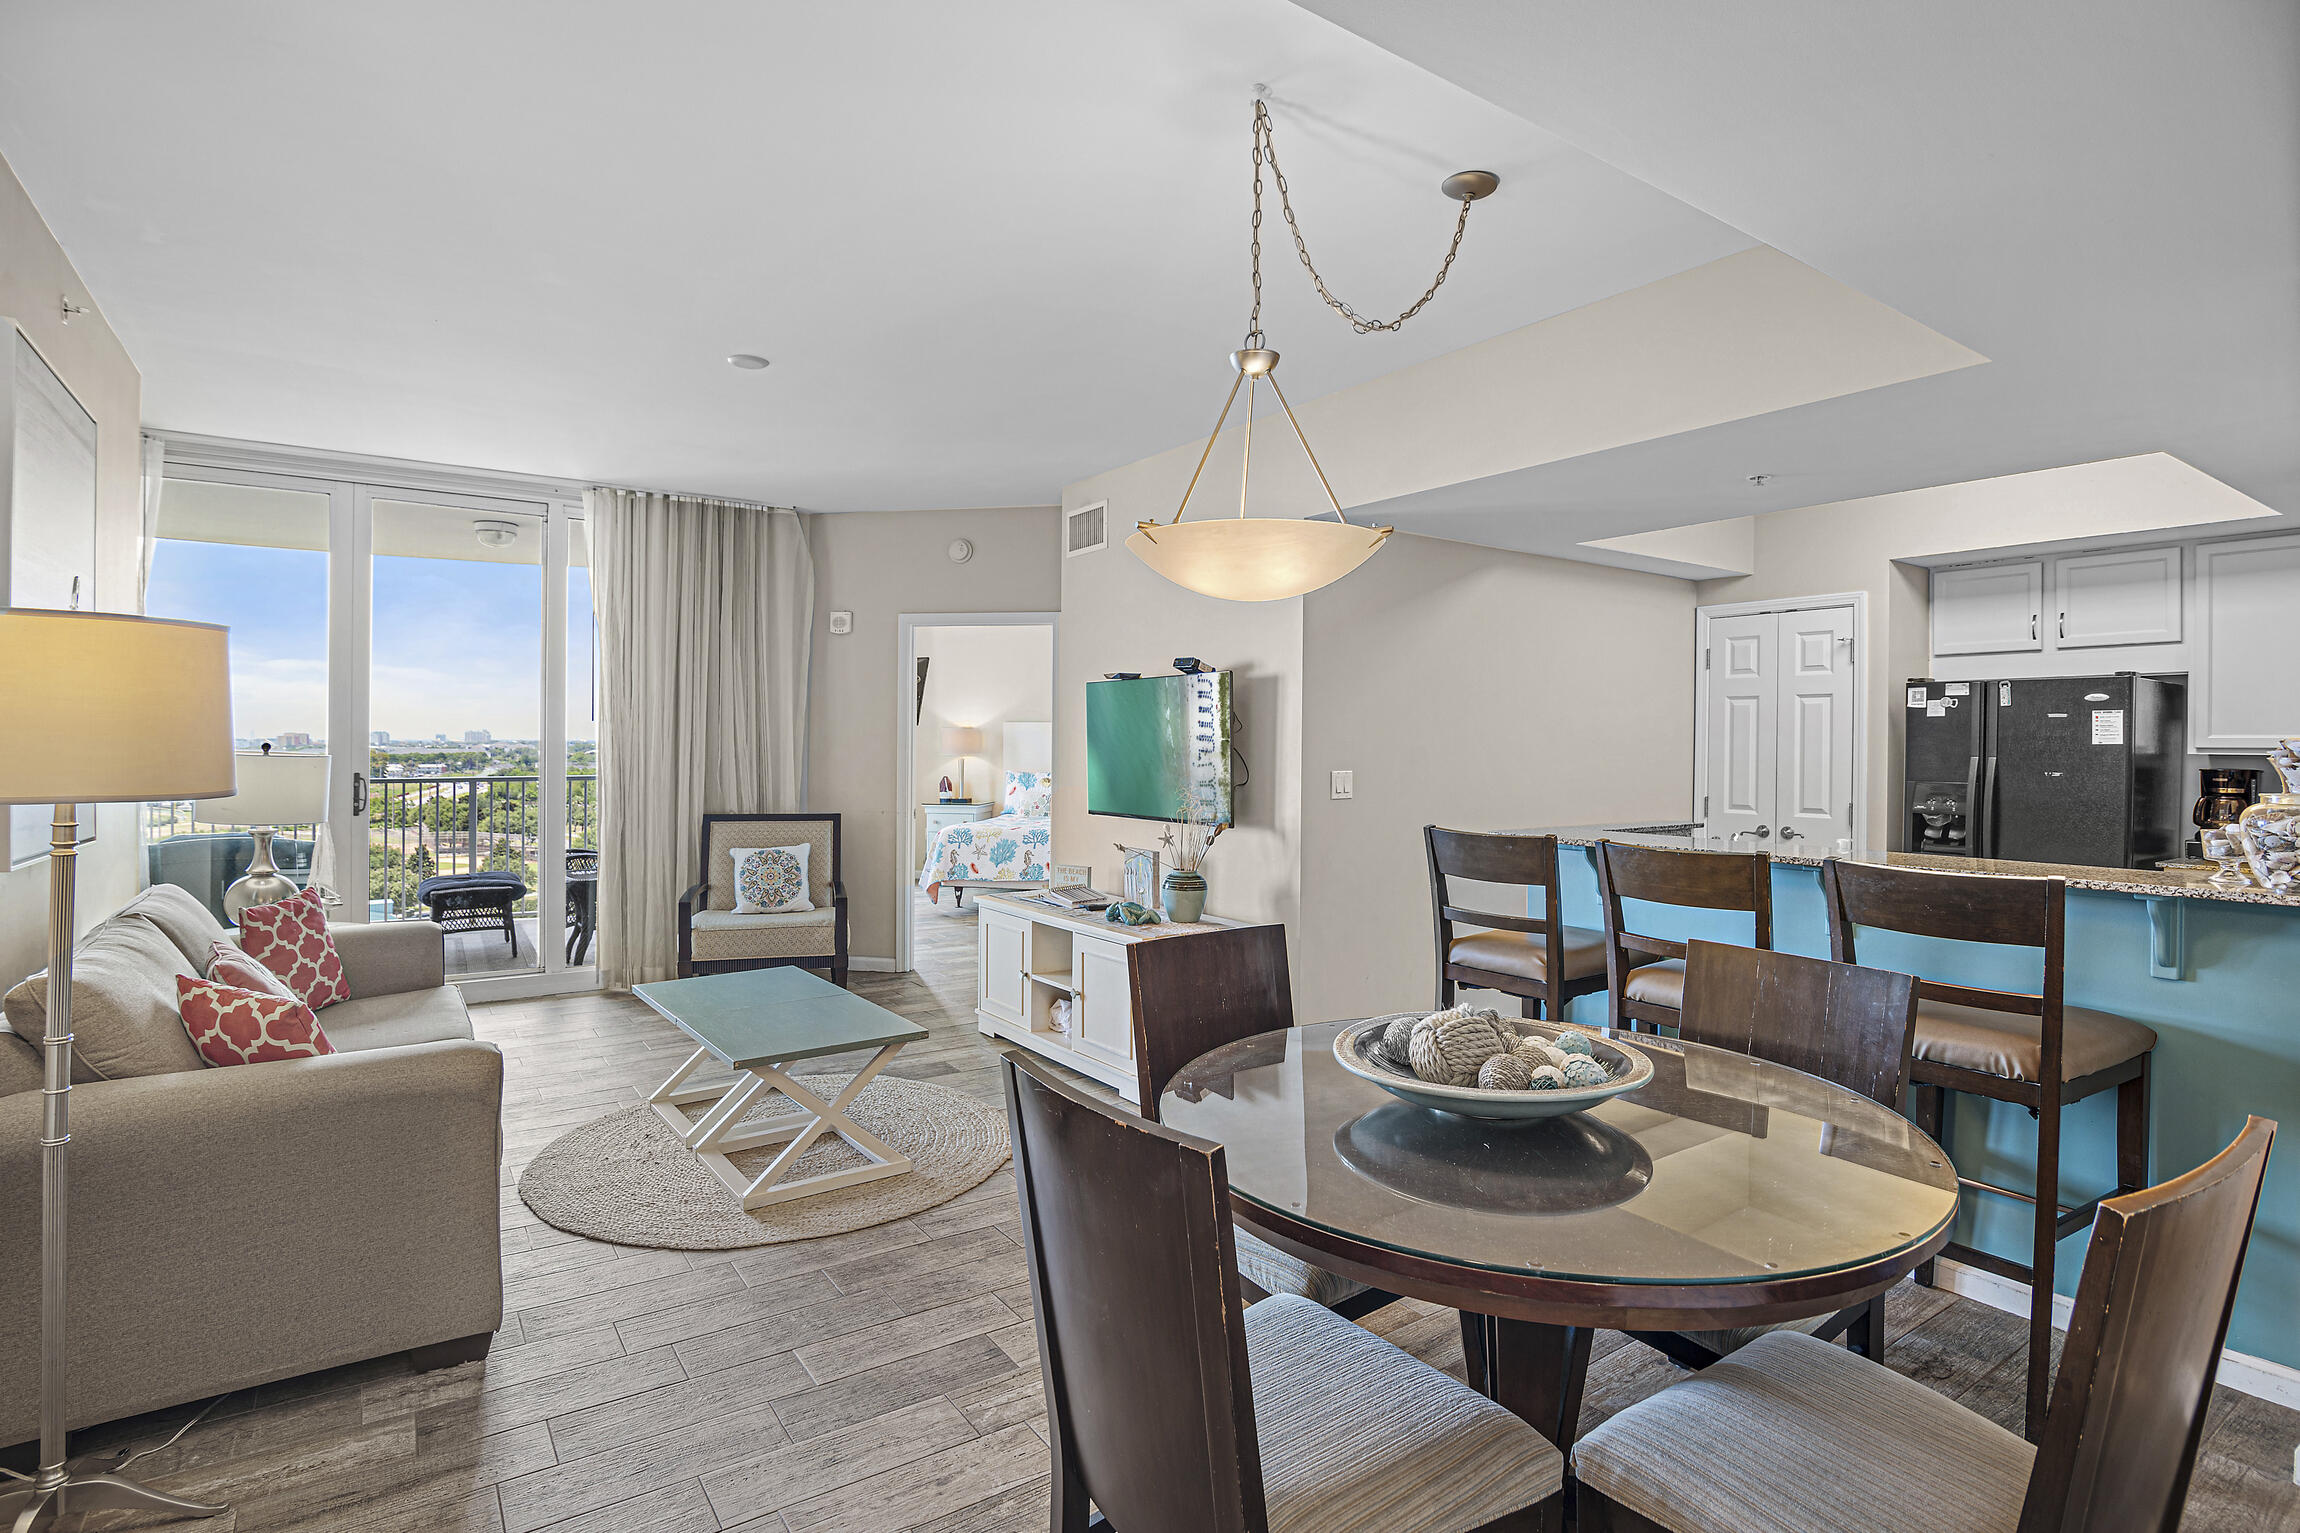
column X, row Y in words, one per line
column 1196, row 829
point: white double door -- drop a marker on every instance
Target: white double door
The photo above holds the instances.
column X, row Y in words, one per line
column 1777, row 746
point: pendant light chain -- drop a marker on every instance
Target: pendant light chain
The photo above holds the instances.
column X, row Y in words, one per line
column 1265, row 148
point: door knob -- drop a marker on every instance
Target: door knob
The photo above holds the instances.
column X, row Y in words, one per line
column 1762, row 831
column 1791, row 833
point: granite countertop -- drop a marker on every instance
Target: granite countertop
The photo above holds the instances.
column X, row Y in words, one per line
column 2146, row 882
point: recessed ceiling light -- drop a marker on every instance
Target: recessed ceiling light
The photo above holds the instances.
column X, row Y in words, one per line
column 749, row 362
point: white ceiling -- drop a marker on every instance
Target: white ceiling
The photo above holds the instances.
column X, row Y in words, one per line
column 2103, row 200
column 990, row 247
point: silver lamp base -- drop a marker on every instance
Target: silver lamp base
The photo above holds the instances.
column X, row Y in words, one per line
column 262, row 884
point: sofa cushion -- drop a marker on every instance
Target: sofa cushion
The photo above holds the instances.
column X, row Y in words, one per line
column 389, row 1021
column 179, row 913
column 229, row 964
column 124, row 1018
column 231, row 1026
column 21, row 1068
column 722, row 934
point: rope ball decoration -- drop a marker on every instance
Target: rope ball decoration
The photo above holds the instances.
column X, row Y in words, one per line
column 1477, row 1046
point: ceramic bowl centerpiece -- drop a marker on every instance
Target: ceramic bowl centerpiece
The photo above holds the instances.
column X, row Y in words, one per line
column 1362, row 1048
column 2269, row 831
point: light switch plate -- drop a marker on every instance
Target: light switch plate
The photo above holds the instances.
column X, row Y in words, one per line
column 842, row 622
column 1345, row 785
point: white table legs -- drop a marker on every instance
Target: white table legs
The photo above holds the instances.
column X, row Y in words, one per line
column 714, row 1136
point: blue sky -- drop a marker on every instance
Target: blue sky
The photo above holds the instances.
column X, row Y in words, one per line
column 457, row 643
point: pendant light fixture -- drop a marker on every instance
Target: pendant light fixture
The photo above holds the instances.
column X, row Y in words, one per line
column 1264, row 558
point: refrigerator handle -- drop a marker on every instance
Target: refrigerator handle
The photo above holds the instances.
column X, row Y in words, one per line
column 1973, row 807
column 1988, row 809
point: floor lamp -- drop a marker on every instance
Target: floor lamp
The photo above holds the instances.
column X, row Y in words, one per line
column 104, row 709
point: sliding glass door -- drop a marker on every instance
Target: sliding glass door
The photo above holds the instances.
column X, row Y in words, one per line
column 436, row 645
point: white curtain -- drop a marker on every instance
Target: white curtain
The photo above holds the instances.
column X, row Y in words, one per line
column 706, row 615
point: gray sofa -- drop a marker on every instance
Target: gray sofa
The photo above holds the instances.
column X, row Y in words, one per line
column 233, row 1226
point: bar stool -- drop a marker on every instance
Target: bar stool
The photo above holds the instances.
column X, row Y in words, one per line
column 1651, row 992
column 1513, row 955
column 2005, row 1045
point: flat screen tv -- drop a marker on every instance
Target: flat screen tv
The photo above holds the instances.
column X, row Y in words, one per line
column 1152, row 740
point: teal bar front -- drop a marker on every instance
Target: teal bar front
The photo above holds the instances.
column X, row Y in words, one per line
column 2228, row 1044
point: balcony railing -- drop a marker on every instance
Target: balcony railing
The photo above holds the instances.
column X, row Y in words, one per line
column 421, row 826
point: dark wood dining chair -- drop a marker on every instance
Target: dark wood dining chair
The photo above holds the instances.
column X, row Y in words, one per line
column 2005, row 1045
column 1193, row 997
column 1175, row 1410
column 1791, row 1432
column 1536, row 958
column 1645, row 974
column 1838, row 1021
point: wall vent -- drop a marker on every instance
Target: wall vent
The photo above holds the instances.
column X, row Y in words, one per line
column 1085, row 530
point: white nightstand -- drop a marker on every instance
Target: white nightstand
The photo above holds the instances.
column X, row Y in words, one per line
column 939, row 814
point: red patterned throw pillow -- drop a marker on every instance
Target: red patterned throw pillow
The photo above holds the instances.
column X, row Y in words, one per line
column 227, row 965
column 230, row 1026
column 291, row 940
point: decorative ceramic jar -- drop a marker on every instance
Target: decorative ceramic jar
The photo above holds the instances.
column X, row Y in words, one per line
column 1185, row 895
column 2270, row 829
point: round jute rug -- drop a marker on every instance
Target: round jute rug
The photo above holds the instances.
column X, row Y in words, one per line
column 626, row 1178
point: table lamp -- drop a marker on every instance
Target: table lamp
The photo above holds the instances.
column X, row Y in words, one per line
column 106, row 709
column 962, row 741
column 274, row 791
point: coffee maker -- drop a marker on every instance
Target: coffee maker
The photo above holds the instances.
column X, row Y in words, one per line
column 2226, row 793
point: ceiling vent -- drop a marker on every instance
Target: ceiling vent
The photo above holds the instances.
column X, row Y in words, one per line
column 1084, row 530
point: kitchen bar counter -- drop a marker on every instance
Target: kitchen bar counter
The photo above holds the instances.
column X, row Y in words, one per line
column 2148, row 883
column 2215, row 971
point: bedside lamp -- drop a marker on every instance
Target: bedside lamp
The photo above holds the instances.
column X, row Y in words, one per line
column 962, row 741
column 274, row 791
column 108, row 709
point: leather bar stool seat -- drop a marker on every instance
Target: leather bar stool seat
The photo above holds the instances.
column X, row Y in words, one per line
column 1525, row 955
column 2011, row 1046
column 1657, row 984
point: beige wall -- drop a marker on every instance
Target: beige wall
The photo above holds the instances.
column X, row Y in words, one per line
column 1119, row 616
column 879, row 565
column 984, row 678
column 1484, row 690
column 1857, row 545
column 34, row 274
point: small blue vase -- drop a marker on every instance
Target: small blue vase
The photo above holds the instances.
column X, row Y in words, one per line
column 1184, row 896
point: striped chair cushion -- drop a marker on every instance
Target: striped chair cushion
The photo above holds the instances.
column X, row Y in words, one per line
column 1792, row 1435
column 1360, row 1437
column 1274, row 1272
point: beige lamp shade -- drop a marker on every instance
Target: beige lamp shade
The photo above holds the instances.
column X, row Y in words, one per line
column 103, row 708
column 962, row 740
column 274, row 790
column 1254, row 558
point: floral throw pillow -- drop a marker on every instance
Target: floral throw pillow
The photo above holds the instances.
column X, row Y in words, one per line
column 1030, row 794
column 230, row 1026
column 771, row 880
column 291, row 940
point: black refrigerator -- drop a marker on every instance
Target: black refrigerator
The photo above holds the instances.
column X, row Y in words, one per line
column 2084, row 770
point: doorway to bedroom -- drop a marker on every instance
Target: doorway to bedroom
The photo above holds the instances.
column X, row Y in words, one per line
column 976, row 788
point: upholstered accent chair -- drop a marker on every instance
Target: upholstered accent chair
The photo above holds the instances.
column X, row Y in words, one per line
column 713, row 939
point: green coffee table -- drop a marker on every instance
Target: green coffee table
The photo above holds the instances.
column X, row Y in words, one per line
column 759, row 1022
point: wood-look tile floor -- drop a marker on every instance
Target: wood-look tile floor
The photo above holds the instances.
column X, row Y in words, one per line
column 882, row 1381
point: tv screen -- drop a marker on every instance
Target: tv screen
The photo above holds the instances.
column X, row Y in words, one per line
column 1153, row 740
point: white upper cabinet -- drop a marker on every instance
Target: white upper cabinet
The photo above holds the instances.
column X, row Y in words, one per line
column 1989, row 609
column 2242, row 695
column 2127, row 596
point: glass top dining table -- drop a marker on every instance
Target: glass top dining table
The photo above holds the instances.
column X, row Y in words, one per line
column 1727, row 1191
